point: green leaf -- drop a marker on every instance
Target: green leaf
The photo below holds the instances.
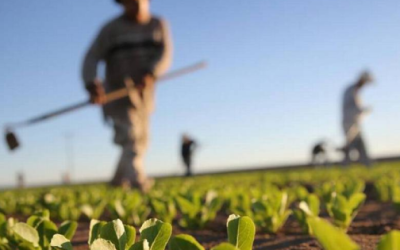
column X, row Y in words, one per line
column 184, row 242
column 38, row 217
column 355, row 202
column 2, row 218
column 330, row 237
column 225, row 246
column 141, row 245
column 102, row 244
column 313, row 203
column 241, row 232
column 60, row 242
column 87, row 210
column 68, row 228
column 27, row 233
column 114, row 231
column 95, row 229
column 130, row 236
column 390, row 241
column 156, row 232
column 186, row 207
column 5, row 246
column 46, row 230
column 34, row 221
column 3, row 226
column 26, row 246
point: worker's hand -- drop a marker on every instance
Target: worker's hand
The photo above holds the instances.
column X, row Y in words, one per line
column 97, row 92
column 367, row 110
column 147, row 81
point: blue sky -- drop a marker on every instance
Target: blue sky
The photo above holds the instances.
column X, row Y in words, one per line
column 277, row 70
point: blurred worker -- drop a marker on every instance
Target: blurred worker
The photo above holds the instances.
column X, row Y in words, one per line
column 20, row 180
column 353, row 113
column 134, row 45
column 187, row 149
column 319, row 155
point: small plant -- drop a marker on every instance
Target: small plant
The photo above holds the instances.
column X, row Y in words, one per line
column 330, row 237
column 37, row 233
column 240, row 203
column 313, row 205
column 389, row 241
column 164, row 209
column 114, row 235
column 195, row 214
column 241, row 233
column 271, row 212
column 343, row 210
column 184, row 241
column 95, row 210
column 130, row 209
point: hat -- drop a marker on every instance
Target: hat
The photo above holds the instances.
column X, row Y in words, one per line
column 366, row 76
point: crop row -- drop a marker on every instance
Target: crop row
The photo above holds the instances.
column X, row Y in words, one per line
column 266, row 198
column 40, row 233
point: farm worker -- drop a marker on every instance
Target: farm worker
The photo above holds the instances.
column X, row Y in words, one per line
column 319, row 154
column 353, row 113
column 187, row 149
column 135, row 45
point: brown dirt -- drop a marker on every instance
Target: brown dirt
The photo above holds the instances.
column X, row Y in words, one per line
column 373, row 220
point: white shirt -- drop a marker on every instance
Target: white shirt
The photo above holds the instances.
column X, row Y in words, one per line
column 352, row 112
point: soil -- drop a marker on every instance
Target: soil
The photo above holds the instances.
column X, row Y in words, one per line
column 374, row 219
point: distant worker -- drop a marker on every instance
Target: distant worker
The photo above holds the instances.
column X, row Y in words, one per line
column 353, row 113
column 20, row 180
column 187, row 149
column 319, row 155
column 66, row 178
column 134, row 45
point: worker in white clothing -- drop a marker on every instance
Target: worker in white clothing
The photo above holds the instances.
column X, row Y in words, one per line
column 353, row 112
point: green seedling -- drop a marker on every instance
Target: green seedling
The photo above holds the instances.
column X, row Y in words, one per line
column 271, row 212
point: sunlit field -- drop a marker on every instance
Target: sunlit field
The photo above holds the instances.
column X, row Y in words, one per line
column 311, row 208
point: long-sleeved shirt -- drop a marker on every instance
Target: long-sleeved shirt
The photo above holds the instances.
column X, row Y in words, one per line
column 352, row 112
column 128, row 49
column 187, row 148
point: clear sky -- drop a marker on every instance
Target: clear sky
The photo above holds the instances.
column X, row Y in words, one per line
column 277, row 70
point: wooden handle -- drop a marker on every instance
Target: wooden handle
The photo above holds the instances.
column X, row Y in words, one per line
column 124, row 92
column 116, row 95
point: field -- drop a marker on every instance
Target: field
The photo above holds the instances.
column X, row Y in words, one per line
column 335, row 208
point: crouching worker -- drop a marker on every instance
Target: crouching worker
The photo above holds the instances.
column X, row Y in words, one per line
column 137, row 46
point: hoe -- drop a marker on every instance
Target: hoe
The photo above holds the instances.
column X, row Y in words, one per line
column 13, row 142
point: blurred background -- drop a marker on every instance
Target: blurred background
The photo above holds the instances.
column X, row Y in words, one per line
column 273, row 88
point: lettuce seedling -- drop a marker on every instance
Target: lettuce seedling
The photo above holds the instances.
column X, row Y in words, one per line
column 36, row 233
column 194, row 213
column 154, row 235
column 240, row 203
column 343, row 210
column 390, row 241
column 312, row 202
column 130, row 210
column 271, row 212
column 184, row 241
column 165, row 210
column 352, row 186
column 330, row 237
column 241, row 233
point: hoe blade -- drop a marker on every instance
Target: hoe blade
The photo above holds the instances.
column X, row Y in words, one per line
column 12, row 141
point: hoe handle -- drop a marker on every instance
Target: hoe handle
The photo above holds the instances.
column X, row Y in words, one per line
column 121, row 93
column 56, row 113
column 110, row 97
